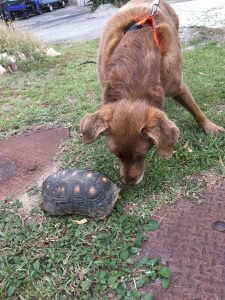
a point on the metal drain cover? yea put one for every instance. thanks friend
(219, 226)
(7, 169)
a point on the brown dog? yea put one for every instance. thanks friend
(136, 71)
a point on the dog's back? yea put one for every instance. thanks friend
(120, 49)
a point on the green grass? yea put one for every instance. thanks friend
(58, 259)
(55, 258)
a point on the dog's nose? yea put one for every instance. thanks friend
(129, 181)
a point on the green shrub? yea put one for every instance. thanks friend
(94, 4)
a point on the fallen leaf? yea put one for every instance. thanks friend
(81, 221)
(186, 145)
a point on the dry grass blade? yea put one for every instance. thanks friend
(15, 41)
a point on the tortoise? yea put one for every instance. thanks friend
(83, 192)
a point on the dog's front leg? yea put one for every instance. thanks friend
(185, 98)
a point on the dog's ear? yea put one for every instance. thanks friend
(92, 125)
(164, 36)
(162, 131)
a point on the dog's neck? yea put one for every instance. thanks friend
(133, 71)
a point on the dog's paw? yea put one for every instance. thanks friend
(211, 128)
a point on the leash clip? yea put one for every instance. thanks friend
(155, 5)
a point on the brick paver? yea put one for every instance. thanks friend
(193, 250)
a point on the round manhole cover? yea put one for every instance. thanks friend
(7, 169)
(219, 226)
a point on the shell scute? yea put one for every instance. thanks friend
(82, 192)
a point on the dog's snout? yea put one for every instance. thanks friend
(132, 180)
(129, 181)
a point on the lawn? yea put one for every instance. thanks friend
(55, 258)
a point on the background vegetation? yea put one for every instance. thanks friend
(94, 4)
(14, 41)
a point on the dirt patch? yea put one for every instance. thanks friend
(195, 35)
(221, 109)
(193, 250)
(26, 160)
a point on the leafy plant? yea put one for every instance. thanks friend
(65, 259)
(94, 4)
(17, 42)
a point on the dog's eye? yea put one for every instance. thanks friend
(123, 156)
(144, 133)
(140, 157)
(120, 156)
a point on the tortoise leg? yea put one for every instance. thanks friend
(185, 98)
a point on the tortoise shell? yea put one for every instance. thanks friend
(82, 192)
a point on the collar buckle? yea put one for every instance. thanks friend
(154, 6)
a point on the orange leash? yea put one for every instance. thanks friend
(149, 19)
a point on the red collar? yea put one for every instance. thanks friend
(149, 19)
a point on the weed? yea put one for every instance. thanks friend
(94, 4)
(33, 191)
(65, 260)
(16, 42)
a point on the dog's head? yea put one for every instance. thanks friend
(132, 128)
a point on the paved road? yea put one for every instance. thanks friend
(78, 23)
